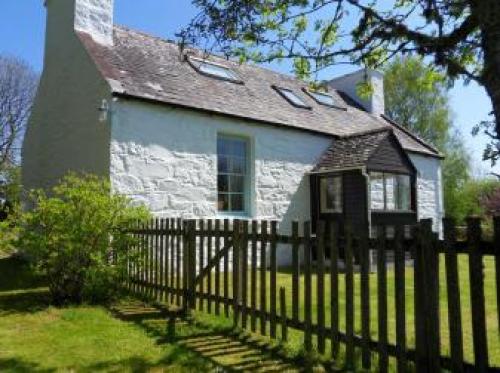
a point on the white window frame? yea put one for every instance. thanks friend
(247, 176)
(385, 175)
(197, 62)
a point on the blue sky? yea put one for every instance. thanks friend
(22, 25)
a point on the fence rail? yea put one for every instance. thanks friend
(231, 268)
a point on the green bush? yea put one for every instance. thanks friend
(74, 234)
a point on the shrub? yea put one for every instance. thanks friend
(74, 235)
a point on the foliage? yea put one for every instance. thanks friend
(74, 236)
(472, 199)
(18, 84)
(416, 95)
(460, 37)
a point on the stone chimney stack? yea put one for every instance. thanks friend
(348, 84)
(94, 17)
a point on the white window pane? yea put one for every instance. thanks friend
(223, 183)
(390, 192)
(214, 69)
(404, 192)
(377, 191)
(331, 194)
(292, 97)
(323, 98)
(223, 202)
(237, 202)
(236, 184)
(223, 164)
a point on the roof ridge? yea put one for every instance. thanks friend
(411, 134)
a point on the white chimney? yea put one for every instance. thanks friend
(349, 83)
(94, 17)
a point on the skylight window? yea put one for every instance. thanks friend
(214, 70)
(291, 97)
(322, 98)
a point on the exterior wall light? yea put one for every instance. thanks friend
(103, 111)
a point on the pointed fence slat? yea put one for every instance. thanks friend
(320, 296)
(217, 267)
(453, 291)
(476, 277)
(209, 257)
(496, 240)
(364, 255)
(334, 289)
(383, 359)
(349, 295)
(295, 271)
(307, 288)
(244, 273)
(272, 279)
(284, 321)
(201, 263)
(263, 281)
(226, 272)
(400, 284)
(253, 278)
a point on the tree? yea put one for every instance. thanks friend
(460, 36)
(416, 96)
(18, 84)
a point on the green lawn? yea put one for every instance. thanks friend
(284, 279)
(37, 337)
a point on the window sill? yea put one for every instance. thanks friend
(233, 216)
(393, 212)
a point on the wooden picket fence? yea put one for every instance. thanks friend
(229, 268)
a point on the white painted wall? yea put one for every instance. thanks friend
(167, 158)
(64, 132)
(429, 189)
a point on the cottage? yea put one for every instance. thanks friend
(197, 136)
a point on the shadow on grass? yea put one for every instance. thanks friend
(20, 366)
(220, 344)
(21, 290)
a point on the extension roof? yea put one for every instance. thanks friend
(144, 67)
(362, 150)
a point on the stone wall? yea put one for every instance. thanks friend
(167, 158)
(429, 189)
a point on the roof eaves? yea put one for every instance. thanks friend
(152, 100)
(413, 136)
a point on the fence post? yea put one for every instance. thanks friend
(496, 225)
(476, 278)
(427, 300)
(188, 264)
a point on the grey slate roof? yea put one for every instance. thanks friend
(350, 152)
(149, 68)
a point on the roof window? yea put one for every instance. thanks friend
(214, 70)
(291, 97)
(322, 98)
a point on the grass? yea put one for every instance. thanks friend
(130, 336)
(295, 344)
(37, 337)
